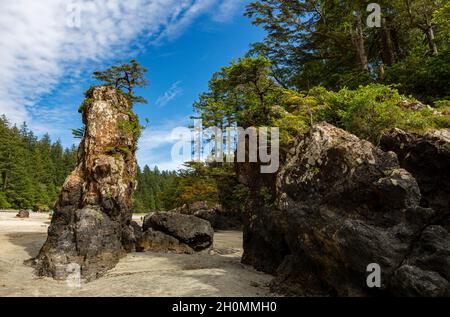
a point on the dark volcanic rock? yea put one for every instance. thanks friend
(427, 158)
(157, 241)
(221, 220)
(91, 223)
(131, 235)
(412, 281)
(23, 214)
(342, 205)
(190, 230)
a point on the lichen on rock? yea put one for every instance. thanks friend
(92, 219)
(343, 203)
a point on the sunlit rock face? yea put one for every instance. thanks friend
(91, 225)
(344, 203)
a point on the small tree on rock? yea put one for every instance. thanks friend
(125, 77)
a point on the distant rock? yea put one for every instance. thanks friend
(189, 230)
(23, 214)
(221, 220)
(218, 218)
(131, 236)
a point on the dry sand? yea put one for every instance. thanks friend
(139, 274)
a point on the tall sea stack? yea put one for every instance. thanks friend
(91, 224)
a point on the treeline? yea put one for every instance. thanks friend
(211, 183)
(322, 61)
(32, 170)
(152, 184)
(335, 44)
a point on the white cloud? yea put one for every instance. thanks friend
(156, 143)
(174, 91)
(227, 9)
(38, 48)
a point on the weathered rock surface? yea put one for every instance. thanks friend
(427, 158)
(343, 204)
(23, 214)
(157, 241)
(131, 235)
(92, 218)
(186, 229)
(218, 218)
(221, 220)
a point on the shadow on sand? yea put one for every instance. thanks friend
(31, 242)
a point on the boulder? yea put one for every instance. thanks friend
(221, 220)
(157, 241)
(23, 214)
(131, 236)
(91, 222)
(189, 230)
(342, 204)
(427, 158)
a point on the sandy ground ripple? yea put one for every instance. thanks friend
(139, 274)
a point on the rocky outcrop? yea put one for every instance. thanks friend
(219, 218)
(169, 231)
(131, 235)
(23, 214)
(157, 241)
(427, 158)
(92, 219)
(342, 204)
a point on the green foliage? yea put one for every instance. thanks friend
(239, 94)
(78, 133)
(121, 150)
(151, 188)
(327, 43)
(441, 18)
(425, 77)
(131, 126)
(370, 110)
(125, 77)
(32, 170)
(85, 104)
(195, 183)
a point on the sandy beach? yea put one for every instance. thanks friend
(139, 274)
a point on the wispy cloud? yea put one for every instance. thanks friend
(39, 48)
(156, 143)
(174, 91)
(227, 10)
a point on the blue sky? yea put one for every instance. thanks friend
(47, 65)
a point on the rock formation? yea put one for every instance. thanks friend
(92, 219)
(23, 214)
(174, 232)
(427, 158)
(342, 204)
(219, 218)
